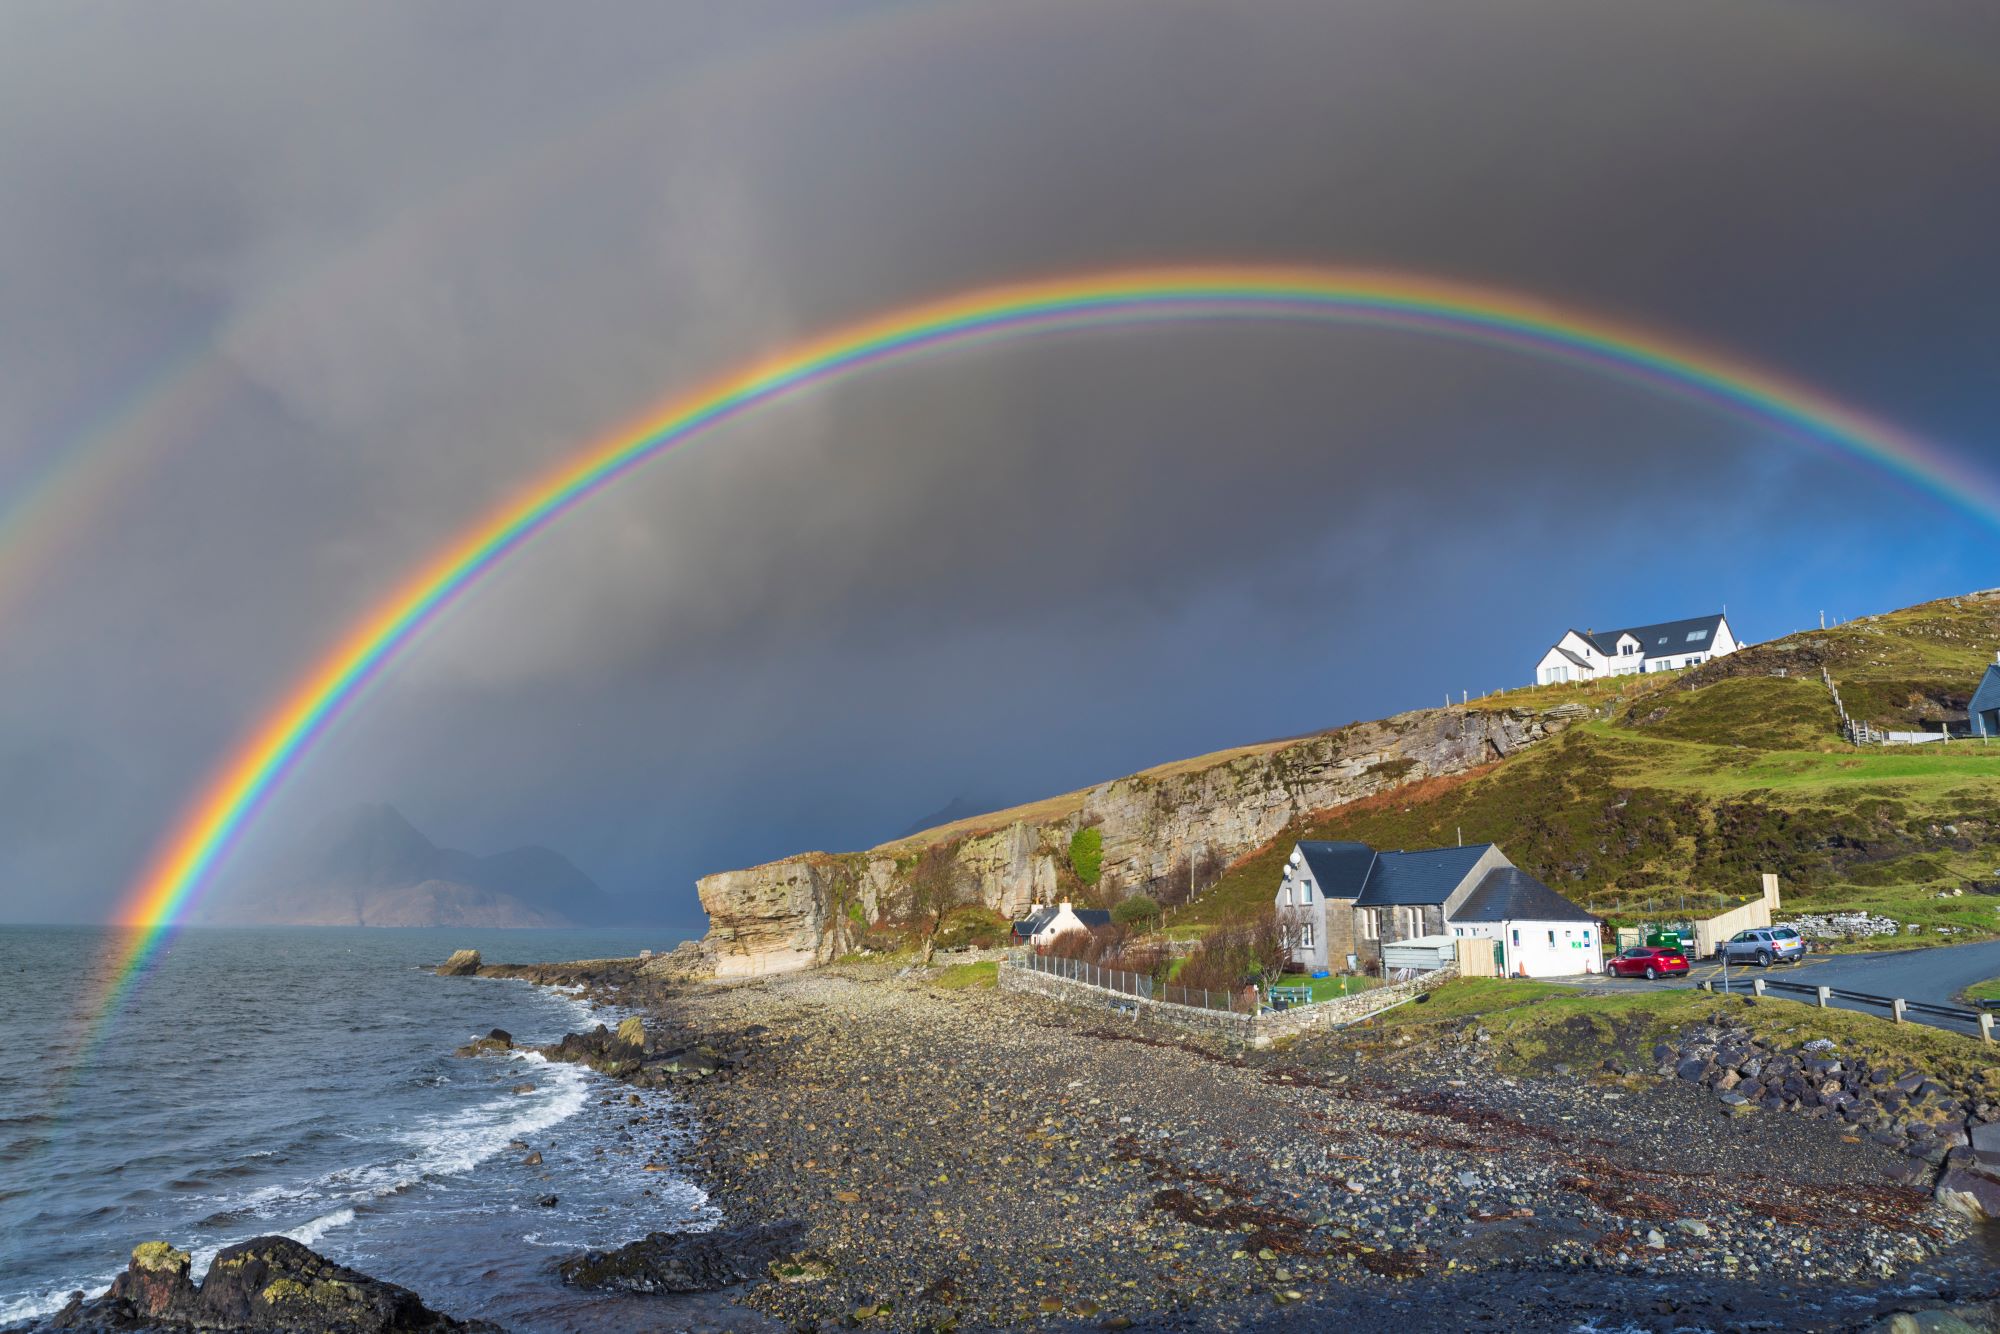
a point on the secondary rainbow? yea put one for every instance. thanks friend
(186, 858)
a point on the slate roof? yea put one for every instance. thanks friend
(1584, 663)
(1410, 878)
(1509, 894)
(1339, 869)
(1092, 918)
(1657, 641)
(1988, 694)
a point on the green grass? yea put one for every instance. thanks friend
(1535, 1025)
(1328, 988)
(1984, 991)
(962, 976)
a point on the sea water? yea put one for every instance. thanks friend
(302, 1081)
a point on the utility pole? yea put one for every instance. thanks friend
(1822, 618)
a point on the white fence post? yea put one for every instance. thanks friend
(1825, 995)
(1896, 1009)
(1757, 986)
(1986, 1026)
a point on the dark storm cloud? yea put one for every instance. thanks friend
(438, 247)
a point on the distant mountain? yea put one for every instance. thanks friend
(369, 866)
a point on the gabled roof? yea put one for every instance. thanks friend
(1988, 694)
(1581, 662)
(1034, 922)
(1657, 641)
(1509, 894)
(1410, 878)
(1037, 922)
(1339, 869)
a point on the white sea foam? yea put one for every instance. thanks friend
(54, 1299)
(309, 1234)
(444, 1145)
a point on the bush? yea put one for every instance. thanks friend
(1086, 854)
(1228, 958)
(1134, 911)
(973, 927)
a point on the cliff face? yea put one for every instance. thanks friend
(811, 908)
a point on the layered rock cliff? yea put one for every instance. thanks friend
(813, 907)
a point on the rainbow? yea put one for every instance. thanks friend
(186, 858)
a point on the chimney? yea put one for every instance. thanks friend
(1065, 905)
(1034, 908)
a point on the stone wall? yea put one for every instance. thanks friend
(1259, 1030)
(808, 909)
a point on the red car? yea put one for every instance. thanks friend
(1649, 962)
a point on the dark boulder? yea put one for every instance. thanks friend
(269, 1284)
(685, 1261)
(498, 1039)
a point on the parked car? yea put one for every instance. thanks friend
(1763, 945)
(1649, 962)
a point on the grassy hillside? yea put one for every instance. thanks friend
(1687, 786)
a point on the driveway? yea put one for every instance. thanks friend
(1935, 975)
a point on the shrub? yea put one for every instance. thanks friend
(972, 926)
(1086, 854)
(1134, 911)
(1231, 956)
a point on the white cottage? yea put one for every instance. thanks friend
(1042, 925)
(1540, 933)
(1590, 654)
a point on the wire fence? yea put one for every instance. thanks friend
(1139, 985)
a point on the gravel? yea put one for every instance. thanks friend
(973, 1159)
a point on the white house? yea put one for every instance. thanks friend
(1043, 925)
(1342, 903)
(1591, 654)
(1540, 933)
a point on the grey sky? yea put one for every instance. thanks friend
(435, 248)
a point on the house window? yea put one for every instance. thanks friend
(1306, 936)
(1368, 930)
(1552, 936)
(1517, 937)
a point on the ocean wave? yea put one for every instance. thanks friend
(48, 1302)
(309, 1234)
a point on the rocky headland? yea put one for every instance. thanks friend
(811, 908)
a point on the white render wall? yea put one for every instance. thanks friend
(1555, 667)
(1528, 952)
(1300, 900)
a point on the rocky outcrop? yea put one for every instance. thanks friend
(812, 908)
(672, 1262)
(266, 1284)
(1945, 1130)
(462, 963)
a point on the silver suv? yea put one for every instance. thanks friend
(1763, 945)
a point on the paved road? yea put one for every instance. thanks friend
(1935, 975)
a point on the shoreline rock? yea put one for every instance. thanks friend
(462, 963)
(685, 1262)
(267, 1285)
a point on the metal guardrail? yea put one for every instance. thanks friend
(1898, 1006)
